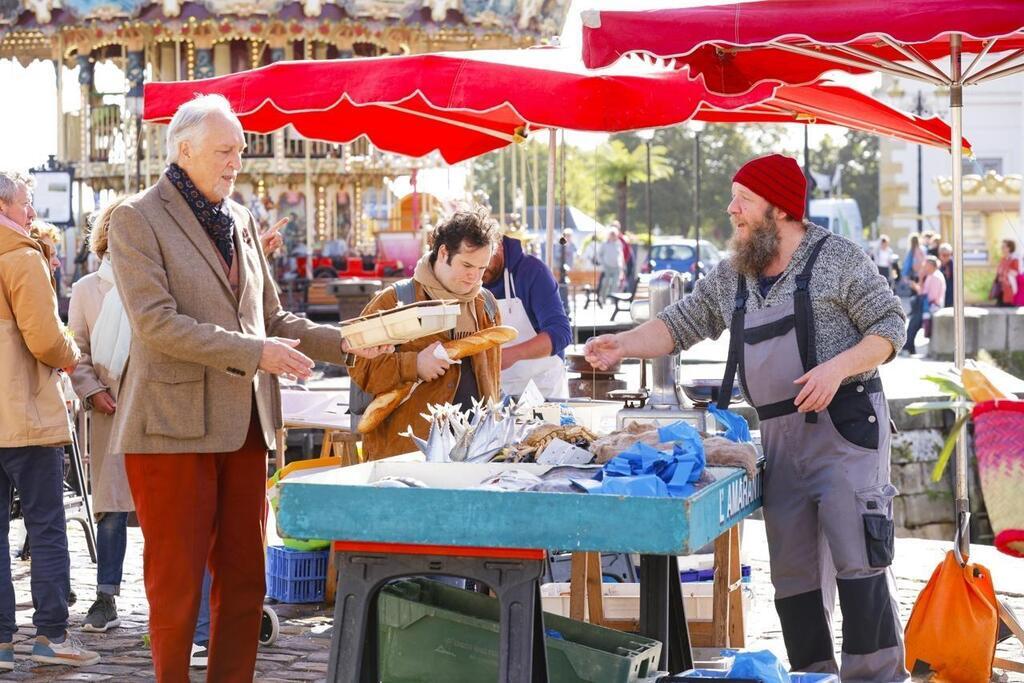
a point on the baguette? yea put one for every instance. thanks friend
(380, 407)
(478, 342)
(384, 404)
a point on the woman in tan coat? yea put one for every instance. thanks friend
(95, 381)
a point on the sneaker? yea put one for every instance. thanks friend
(70, 652)
(102, 615)
(200, 655)
(6, 656)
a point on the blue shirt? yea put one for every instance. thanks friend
(535, 286)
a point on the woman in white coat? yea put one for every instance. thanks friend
(97, 320)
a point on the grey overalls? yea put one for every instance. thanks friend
(827, 495)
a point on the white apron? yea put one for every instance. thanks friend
(547, 373)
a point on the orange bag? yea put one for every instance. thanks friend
(952, 629)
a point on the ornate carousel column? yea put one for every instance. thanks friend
(85, 82)
(135, 71)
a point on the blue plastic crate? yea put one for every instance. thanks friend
(295, 576)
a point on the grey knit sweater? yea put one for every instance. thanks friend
(848, 296)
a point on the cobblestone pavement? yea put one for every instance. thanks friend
(299, 655)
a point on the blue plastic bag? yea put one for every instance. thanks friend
(643, 470)
(759, 665)
(736, 427)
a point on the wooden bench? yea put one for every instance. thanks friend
(623, 300)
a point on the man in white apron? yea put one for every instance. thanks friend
(810, 320)
(527, 296)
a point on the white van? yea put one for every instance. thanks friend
(841, 216)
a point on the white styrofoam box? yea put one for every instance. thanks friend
(402, 324)
(622, 600)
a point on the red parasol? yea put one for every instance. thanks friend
(465, 104)
(795, 41)
(462, 104)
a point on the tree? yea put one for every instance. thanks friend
(618, 166)
(858, 157)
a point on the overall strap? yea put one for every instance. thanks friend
(735, 343)
(804, 316)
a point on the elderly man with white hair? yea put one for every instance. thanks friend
(198, 403)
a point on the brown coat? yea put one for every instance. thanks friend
(110, 490)
(32, 347)
(193, 370)
(388, 371)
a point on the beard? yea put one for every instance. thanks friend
(752, 254)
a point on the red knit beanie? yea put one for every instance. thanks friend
(779, 180)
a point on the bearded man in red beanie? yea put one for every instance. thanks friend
(810, 320)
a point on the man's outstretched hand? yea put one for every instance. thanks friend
(604, 351)
(279, 357)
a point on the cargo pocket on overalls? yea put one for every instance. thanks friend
(875, 507)
(854, 418)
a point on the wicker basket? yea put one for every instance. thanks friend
(999, 445)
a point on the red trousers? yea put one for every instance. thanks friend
(198, 510)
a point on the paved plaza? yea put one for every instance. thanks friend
(299, 655)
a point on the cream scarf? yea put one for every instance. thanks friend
(111, 336)
(466, 324)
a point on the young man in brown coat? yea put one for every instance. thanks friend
(461, 249)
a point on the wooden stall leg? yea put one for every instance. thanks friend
(327, 445)
(737, 617)
(720, 600)
(281, 445)
(595, 599)
(578, 587)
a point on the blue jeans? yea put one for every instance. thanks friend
(111, 543)
(38, 474)
(202, 634)
(918, 305)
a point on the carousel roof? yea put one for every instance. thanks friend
(514, 16)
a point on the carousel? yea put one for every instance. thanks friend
(336, 196)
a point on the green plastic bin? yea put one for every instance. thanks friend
(431, 632)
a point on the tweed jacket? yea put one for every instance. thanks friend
(193, 371)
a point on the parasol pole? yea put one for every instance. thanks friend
(549, 210)
(956, 103)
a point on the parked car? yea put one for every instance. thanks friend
(678, 253)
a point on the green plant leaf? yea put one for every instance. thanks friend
(949, 446)
(919, 407)
(949, 385)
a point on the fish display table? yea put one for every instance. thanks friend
(449, 511)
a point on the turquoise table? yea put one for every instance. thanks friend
(340, 503)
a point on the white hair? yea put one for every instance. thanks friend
(189, 118)
(9, 181)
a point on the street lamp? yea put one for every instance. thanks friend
(698, 128)
(647, 136)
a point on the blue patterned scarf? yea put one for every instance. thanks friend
(215, 218)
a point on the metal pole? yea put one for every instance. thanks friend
(549, 212)
(919, 110)
(696, 204)
(807, 172)
(650, 214)
(956, 104)
(501, 188)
